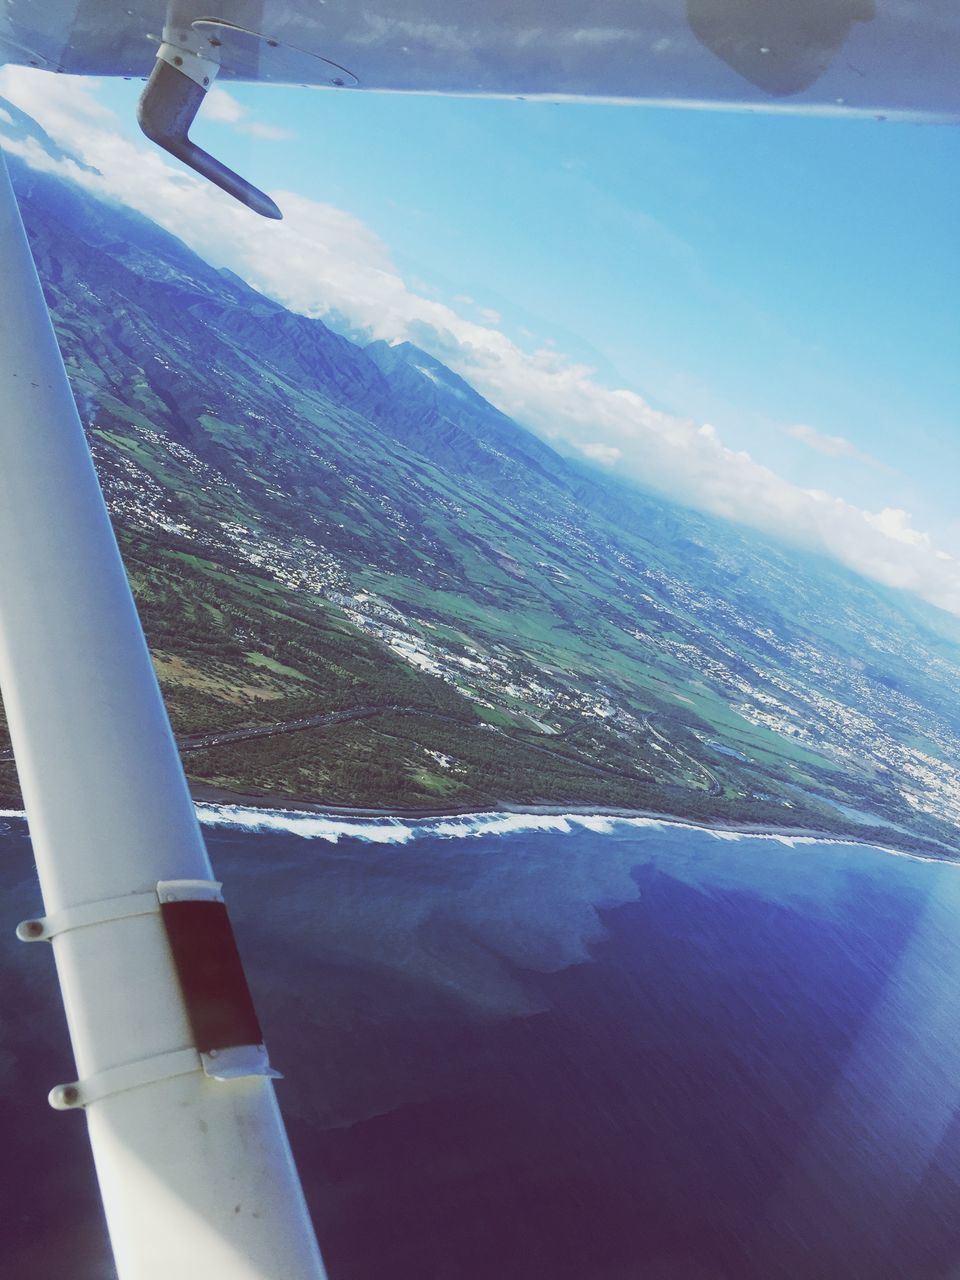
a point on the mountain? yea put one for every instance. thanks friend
(310, 525)
(436, 410)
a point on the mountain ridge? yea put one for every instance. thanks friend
(408, 532)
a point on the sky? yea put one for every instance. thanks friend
(757, 315)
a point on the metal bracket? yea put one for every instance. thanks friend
(223, 1064)
(189, 891)
(131, 1075)
(46, 928)
(190, 52)
(241, 1060)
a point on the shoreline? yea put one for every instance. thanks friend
(270, 802)
(203, 794)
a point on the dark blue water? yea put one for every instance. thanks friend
(633, 1052)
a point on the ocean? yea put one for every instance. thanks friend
(520, 1047)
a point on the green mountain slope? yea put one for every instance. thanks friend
(309, 525)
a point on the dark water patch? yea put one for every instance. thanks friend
(648, 1053)
(637, 1128)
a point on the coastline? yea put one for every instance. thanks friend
(273, 803)
(203, 794)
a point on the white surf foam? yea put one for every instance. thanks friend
(310, 826)
(598, 822)
(495, 824)
(463, 826)
(386, 830)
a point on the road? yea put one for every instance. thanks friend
(327, 720)
(199, 742)
(713, 785)
(323, 720)
(219, 737)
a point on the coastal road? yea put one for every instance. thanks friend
(327, 719)
(713, 782)
(322, 720)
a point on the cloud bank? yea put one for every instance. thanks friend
(832, 446)
(322, 260)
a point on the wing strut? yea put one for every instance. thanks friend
(195, 1171)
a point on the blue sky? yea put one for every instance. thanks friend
(751, 271)
(791, 281)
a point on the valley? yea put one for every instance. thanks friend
(313, 528)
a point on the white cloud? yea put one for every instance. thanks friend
(832, 446)
(486, 314)
(222, 108)
(896, 523)
(321, 260)
(596, 451)
(268, 132)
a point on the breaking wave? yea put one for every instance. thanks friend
(331, 827)
(310, 826)
(399, 831)
(462, 826)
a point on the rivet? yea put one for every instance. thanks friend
(178, 61)
(33, 928)
(70, 1095)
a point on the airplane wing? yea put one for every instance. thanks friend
(863, 57)
(872, 56)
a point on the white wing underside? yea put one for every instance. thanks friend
(879, 57)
